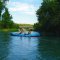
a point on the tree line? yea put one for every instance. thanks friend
(48, 16)
(5, 17)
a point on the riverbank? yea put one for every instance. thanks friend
(49, 34)
(6, 30)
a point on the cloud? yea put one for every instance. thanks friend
(22, 7)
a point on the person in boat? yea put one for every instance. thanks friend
(21, 30)
(29, 32)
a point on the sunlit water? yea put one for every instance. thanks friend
(29, 48)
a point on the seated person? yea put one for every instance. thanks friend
(21, 30)
(29, 32)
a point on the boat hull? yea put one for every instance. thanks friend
(33, 34)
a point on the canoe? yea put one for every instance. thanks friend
(33, 34)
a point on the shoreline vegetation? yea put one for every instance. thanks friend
(48, 16)
(8, 30)
(17, 27)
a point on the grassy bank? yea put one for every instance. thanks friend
(9, 30)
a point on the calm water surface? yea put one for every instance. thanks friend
(29, 48)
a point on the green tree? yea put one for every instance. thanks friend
(6, 19)
(2, 6)
(49, 16)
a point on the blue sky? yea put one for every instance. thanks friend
(24, 11)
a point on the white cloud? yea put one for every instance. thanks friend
(22, 7)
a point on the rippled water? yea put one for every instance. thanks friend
(29, 48)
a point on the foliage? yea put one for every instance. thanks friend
(26, 26)
(2, 6)
(49, 17)
(5, 17)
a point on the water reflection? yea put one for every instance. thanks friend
(29, 48)
(49, 48)
(4, 45)
(23, 48)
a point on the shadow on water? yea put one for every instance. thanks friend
(4, 45)
(49, 48)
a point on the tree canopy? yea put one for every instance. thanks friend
(48, 17)
(2, 6)
(5, 17)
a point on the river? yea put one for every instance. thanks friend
(29, 48)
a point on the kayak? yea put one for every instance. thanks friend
(32, 34)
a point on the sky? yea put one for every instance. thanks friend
(24, 11)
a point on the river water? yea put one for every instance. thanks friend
(29, 48)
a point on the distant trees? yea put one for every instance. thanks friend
(49, 17)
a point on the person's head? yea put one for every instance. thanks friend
(20, 28)
(30, 29)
